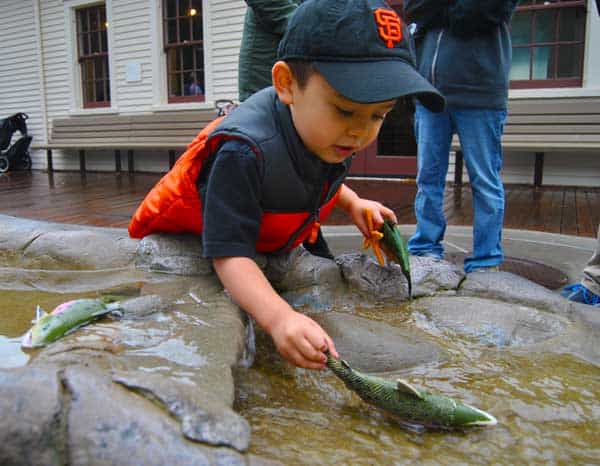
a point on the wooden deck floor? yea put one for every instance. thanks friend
(109, 199)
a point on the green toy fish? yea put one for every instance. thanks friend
(64, 319)
(396, 250)
(413, 408)
(389, 240)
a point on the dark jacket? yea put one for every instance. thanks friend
(264, 25)
(464, 48)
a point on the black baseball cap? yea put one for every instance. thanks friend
(361, 47)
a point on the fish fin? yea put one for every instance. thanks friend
(39, 313)
(345, 364)
(404, 387)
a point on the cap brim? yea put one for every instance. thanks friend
(368, 82)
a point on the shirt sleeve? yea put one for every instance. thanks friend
(232, 203)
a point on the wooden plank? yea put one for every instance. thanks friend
(569, 213)
(585, 226)
(561, 106)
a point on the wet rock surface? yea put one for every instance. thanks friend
(157, 386)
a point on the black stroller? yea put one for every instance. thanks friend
(17, 155)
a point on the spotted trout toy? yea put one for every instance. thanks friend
(64, 319)
(413, 408)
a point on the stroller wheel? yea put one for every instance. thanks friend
(4, 164)
(26, 162)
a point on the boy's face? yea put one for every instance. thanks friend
(331, 126)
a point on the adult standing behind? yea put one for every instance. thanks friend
(264, 25)
(464, 50)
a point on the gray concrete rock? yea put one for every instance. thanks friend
(491, 322)
(109, 424)
(506, 286)
(53, 246)
(431, 276)
(366, 276)
(31, 423)
(203, 417)
(176, 254)
(373, 346)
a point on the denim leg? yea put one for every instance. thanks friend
(480, 134)
(433, 132)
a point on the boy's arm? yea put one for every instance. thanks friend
(355, 206)
(297, 337)
(273, 14)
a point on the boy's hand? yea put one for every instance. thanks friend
(355, 206)
(300, 340)
(379, 211)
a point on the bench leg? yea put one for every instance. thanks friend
(82, 161)
(130, 166)
(49, 160)
(171, 159)
(458, 168)
(118, 161)
(538, 170)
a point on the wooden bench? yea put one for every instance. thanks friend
(170, 131)
(546, 125)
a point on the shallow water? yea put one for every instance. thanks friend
(547, 406)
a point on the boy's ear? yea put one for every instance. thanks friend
(283, 79)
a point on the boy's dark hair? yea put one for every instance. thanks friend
(302, 71)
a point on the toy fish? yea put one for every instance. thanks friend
(64, 319)
(396, 250)
(389, 240)
(414, 408)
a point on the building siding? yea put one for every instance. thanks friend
(20, 70)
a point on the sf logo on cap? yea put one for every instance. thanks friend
(389, 26)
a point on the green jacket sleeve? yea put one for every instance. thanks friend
(273, 14)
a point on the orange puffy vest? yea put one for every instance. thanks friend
(173, 205)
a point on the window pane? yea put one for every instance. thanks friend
(175, 84)
(569, 61)
(521, 28)
(520, 64)
(184, 7)
(545, 26)
(571, 24)
(197, 20)
(172, 31)
(188, 58)
(94, 25)
(184, 30)
(95, 43)
(542, 63)
(171, 8)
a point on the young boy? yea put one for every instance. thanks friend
(263, 178)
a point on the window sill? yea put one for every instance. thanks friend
(183, 106)
(95, 111)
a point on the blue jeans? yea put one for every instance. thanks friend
(480, 132)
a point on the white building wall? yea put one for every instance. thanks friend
(20, 65)
(135, 43)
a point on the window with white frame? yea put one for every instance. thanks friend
(92, 55)
(184, 50)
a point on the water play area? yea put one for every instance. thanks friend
(175, 371)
